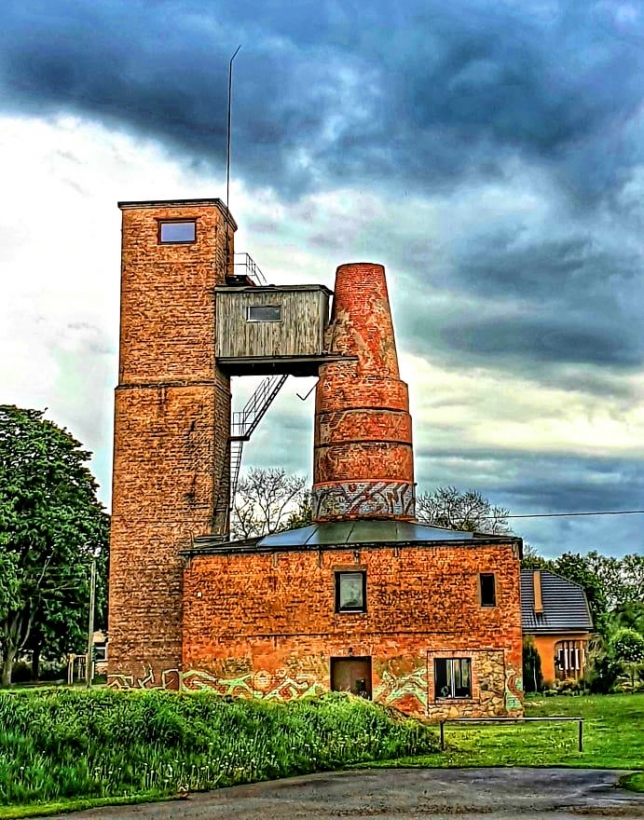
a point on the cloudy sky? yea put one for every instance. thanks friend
(489, 152)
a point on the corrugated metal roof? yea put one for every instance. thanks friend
(565, 607)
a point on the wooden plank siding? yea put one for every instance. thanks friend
(300, 332)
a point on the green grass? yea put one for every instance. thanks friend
(64, 750)
(634, 782)
(74, 804)
(613, 737)
(62, 746)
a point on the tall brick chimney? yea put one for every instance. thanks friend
(363, 459)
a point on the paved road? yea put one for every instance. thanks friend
(392, 794)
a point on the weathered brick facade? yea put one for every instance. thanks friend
(267, 619)
(265, 625)
(172, 421)
(363, 464)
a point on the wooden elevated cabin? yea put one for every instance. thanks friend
(271, 329)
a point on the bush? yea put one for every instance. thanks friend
(21, 672)
(570, 686)
(65, 743)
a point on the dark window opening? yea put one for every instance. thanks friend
(351, 675)
(488, 589)
(176, 233)
(453, 677)
(264, 313)
(351, 592)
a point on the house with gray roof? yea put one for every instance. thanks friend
(556, 615)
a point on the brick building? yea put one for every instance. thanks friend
(365, 599)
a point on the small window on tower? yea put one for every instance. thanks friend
(264, 313)
(488, 589)
(177, 232)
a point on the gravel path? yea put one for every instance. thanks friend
(391, 794)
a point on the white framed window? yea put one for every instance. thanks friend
(453, 677)
(351, 591)
(177, 232)
(264, 313)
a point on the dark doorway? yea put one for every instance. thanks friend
(351, 675)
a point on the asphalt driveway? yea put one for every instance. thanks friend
(392, 794)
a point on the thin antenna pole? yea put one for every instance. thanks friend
(230, 96)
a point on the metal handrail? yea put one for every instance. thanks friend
(253, 271)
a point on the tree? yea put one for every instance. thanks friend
(631, 589)
(263, 502)
(51, 528)
(532, 675)
(469, 510)
(302, 516)
(627, 646)
(578, 568)
(630, 615)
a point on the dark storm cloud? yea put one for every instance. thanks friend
(532, 483)
(527, 303)
(412, 93)
(529, 482)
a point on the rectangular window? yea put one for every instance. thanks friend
(453, 677)
(264, 313)
(488, 589)
(177, 232)
(351, 592)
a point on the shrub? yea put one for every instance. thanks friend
(65, 743)
(21, 672)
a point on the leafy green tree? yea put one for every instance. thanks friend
(532, 675)
(462, 510)
(51, 528)
(578, 568)
(632, 577)
(629, 615)
(627, 647)
(303, 515)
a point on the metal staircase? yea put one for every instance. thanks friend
(245, 422)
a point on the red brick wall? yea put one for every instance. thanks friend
(265, 624)
(172, 421)
(363, 463)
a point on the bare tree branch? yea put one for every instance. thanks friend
(264, 501)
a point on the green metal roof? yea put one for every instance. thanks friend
(348, 533)
(362, 531)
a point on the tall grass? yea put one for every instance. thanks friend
(64, 744)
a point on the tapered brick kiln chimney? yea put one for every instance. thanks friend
(363, 463)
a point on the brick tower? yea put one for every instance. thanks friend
(172, 422)
(363, 463)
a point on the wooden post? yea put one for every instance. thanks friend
(90, 627)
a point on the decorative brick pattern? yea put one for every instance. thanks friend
(363, 499)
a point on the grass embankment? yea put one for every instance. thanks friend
(68, 747)
(613, 737)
